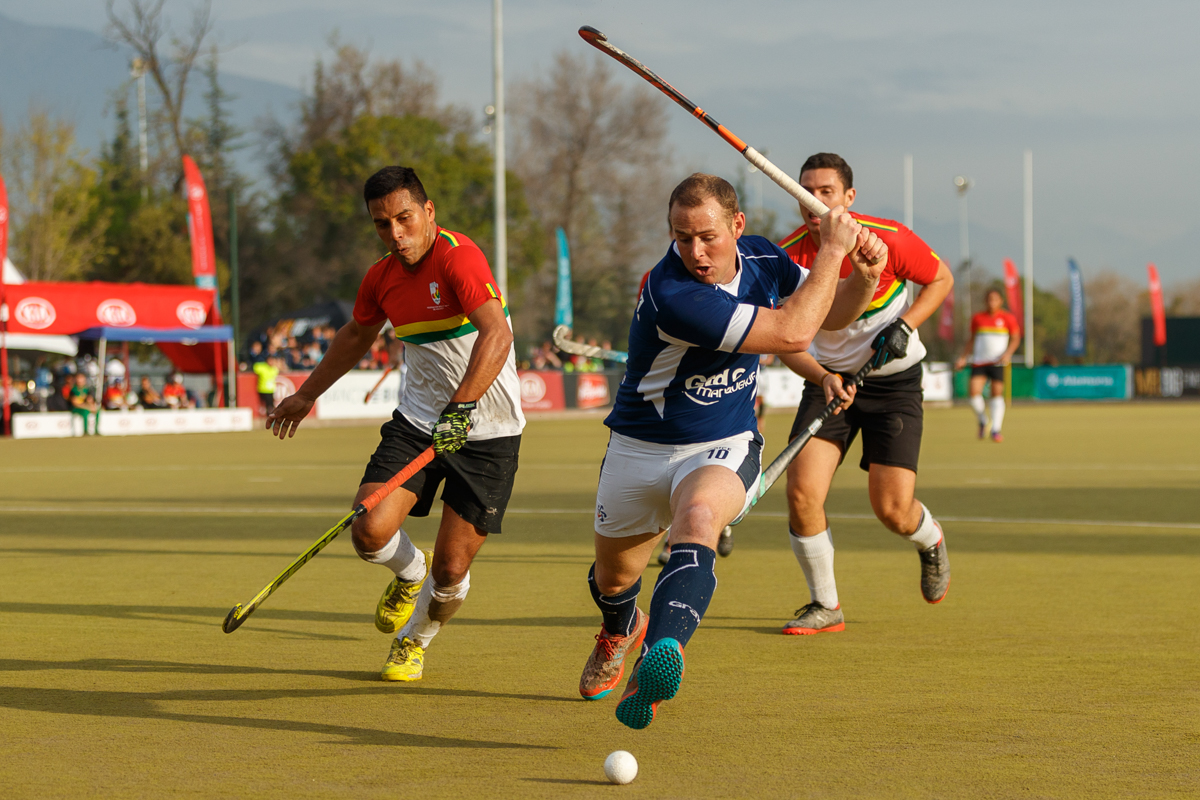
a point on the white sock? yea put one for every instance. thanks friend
(928, 532)
(400, 556)
(997, 404)
(435, 606)
(815, 554)
(977, 406)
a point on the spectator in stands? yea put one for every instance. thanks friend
(83, 402)
(148, 396)
(176, 394)
(256, 353)
(114, 396)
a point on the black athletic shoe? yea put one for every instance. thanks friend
(725, 543)
(935, 571)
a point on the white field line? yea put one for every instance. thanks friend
(182, 468)
(95, 508)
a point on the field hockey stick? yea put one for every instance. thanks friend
(598, 40)
(239, 612)
(382, 378)
(563, 342)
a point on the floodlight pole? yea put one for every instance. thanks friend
(908, 209)
(964, 243)
(1029, 258)
(500, 257)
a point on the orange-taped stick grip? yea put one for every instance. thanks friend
(376, 497)
(732, 138)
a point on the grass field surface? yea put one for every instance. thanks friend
(1063, 663)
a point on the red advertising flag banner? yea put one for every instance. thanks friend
(70, 308)
(591, 390)
(946, 319)
(1012, 287)
(1156, 307)
(200, 230)
(3, 226)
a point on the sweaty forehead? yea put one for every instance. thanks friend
(392, 205)
(698, 219)
(821, 178)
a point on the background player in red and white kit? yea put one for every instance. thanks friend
(995, 335)
(461, 395)
(887, 409)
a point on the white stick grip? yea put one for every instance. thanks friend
(785, 182)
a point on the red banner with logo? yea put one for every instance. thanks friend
(1012, 287)
(1156, 306)
(542, 391)
(591, 390)
(200, 230)
(69, 308)
(946, 318)
(3, 227)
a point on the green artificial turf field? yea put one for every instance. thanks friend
(1063, 663)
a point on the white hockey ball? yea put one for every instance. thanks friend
(620, 767)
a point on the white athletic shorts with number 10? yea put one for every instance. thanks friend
(638, 478)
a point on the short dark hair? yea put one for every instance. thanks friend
(830, 161)
(395, 179)
(994, 291)
(698, 187)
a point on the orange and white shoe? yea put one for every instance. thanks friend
(816, 618)
(656, 677)
(606, 664)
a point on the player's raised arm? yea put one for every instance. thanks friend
(791, 327)
(347, 348)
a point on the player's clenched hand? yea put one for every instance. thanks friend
(870, 256)
(288, 415)
(451, 429)
(834, 386)
(839, 229)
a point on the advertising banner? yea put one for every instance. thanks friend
(344, 400)
(564, 307)
(1156, 307)
(70, 308)
(200, 230)
(1077, 322)
(1012, 287)
(591, 390)
(1101, 382)
(541, 391)
(937, 381)
(3, 226)
(946, 319)
(59, 425)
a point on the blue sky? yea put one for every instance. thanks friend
(1105, 94)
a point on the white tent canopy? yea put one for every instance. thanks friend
(47, 343)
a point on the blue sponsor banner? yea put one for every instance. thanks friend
(1077, 328)
(563, 307)
(1101, 382)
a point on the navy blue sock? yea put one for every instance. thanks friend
(620, 610)
(682, 594)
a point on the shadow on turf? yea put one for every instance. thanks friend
(119, 665)
(144, 705)
(568, 781)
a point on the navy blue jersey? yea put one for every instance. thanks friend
(686, 382)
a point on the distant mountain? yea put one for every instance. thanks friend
(74, 73)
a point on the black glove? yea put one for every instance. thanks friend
(892, 342)
(450, 431)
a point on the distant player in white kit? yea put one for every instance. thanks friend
(995, 336)
(685, 448)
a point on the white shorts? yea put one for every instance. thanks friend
(638, 478)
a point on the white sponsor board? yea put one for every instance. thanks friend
(344, 400)
(134, 423)
(781, 388)
(937, 381)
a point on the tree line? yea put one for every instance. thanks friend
(590, 155)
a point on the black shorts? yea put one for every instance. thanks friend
(479, 478)
(993, 372)
(887, 410)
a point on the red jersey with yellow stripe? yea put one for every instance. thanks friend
(909, 259)
(430, 306)
(992, 334)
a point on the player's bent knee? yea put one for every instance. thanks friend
(369, 535)
(450, 570)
